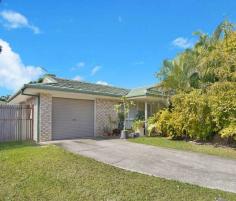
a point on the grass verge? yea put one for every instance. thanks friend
(225, 152)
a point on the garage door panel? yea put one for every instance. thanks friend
(72, 118)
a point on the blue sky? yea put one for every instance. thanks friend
(122, 43)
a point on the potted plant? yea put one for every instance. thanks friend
(124, 107)
(138, 126)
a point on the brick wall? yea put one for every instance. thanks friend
(104, 109)
(45, 117)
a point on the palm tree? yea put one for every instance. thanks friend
(180, 73)
(196, 67)
(208, 51)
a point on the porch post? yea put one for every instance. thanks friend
(146, 116)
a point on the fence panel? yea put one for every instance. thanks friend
(16, 122)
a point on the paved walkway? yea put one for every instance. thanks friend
(203, 170)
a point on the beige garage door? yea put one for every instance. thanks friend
(72, 118)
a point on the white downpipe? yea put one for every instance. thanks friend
(146, 116)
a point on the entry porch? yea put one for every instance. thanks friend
(147, 102)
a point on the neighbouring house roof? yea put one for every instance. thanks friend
(144, 91)
(51, 82)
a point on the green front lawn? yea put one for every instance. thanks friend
(187, 146)
(29, 172)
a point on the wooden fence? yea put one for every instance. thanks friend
(16, 122)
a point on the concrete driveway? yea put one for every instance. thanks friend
(203, 170)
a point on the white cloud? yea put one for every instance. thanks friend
(15, 20)
(13, 73)
(182, 43)
(95, 69)
(78, 78)
(102, 82)
(120, 19)
(78, 66)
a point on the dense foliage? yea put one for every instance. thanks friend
(203, 80)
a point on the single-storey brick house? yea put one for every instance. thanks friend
(67, 109)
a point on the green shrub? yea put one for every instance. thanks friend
(163, 123)
(193, 115)
(137, 124)
(152, 131)
(229, 131)
(199, 114)
(222, 98)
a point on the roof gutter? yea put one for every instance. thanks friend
(38, 108)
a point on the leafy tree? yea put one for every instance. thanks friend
(204, 81)
(4, 98)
